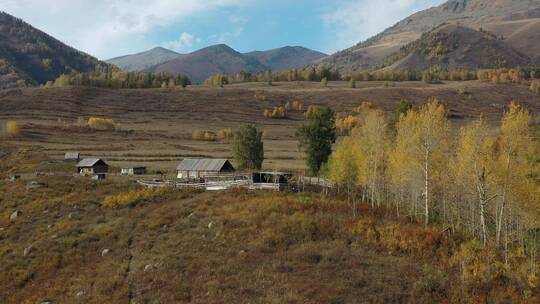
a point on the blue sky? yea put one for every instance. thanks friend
(109, 28)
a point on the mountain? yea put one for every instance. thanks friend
(30, 55)
(517, 21)
(285, 58)
(201, 64)
(456, 47)
(144, 60)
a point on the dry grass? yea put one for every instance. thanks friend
(227, 247)
(161, 122)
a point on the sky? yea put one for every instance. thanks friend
(110, 28)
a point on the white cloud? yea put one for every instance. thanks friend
(184, 43)
(226, 36)
(107, 27)
(357, 20)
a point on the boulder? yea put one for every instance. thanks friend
(210, 225)
(27, 250)
(105, 252)
(148, 267)
(15, 215)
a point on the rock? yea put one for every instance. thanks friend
(46, 302)
(15, 215)
(27, 250)
(147, 267)
(191, 214)
(49, 226)
(70, 215)
(79, 294)
(210, 225)
(54, 236)
(105, 252)
(241, 252)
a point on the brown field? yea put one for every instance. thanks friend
(156, 124)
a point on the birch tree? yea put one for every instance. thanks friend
(515, 145)
(475, 168)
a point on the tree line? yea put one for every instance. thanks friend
(432, 75)
(105, 77)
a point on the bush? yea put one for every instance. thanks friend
(132, 198)
(99, 123)
(12, 129)
(277, 112)
(535, 87)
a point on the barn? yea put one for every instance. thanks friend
(200, 168)
(92, 166)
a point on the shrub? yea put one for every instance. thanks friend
(324, 82)
(310, 110)
(277, 112)
(132, 198)
(225, 134)
(99, 123)
(352, 83)
(12, 129)
(535, 87)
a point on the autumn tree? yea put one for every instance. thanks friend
(248, 147)
(343, 167)
(372, 139)
(317, 137)
(476, 168)
(423, 136)
(515, 145)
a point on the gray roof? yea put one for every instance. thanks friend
(89, 162)
(202, 164)
(72, 155)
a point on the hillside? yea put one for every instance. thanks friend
(30, 55)
(201, 64)
(144, 60)
(489, 14)
(285, 58)
(455, 47)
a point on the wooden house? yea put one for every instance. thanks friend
(72, 157)
(134, 171)
(201, 168)
(92, 166)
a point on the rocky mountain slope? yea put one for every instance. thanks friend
(517, 21)
(30, 56)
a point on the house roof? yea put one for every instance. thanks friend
(202, 164)
(72, 155)
(90, 162)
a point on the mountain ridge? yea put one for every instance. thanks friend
(221, 58)
(29, 56)
(477, 14)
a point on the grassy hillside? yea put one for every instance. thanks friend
(33, 57)
(76, 241)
